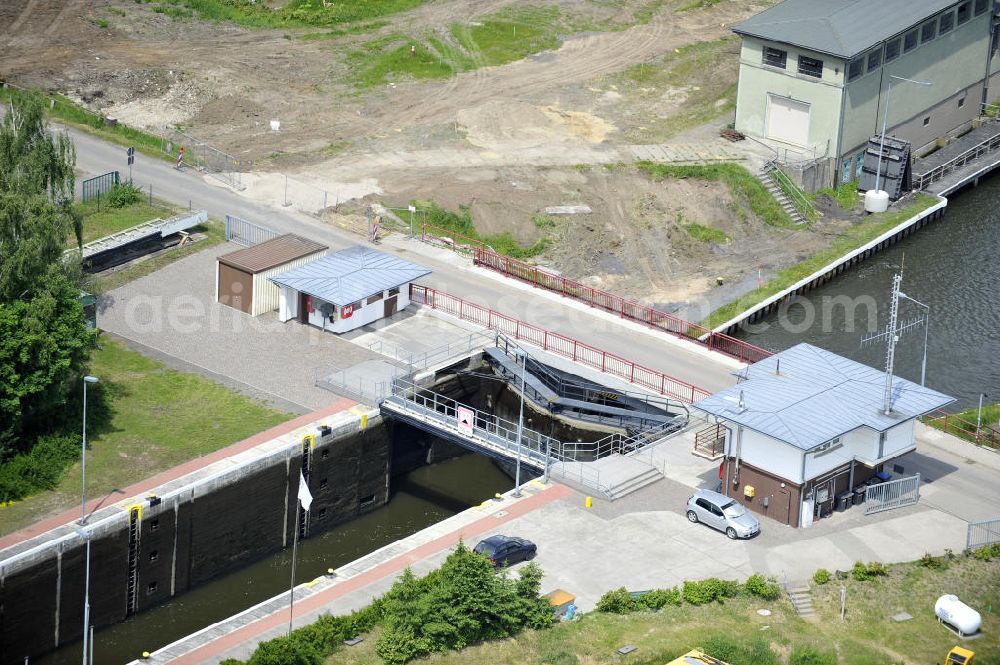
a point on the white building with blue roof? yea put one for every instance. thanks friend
(806, 425)
(346, 290)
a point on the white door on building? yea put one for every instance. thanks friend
(787, 120)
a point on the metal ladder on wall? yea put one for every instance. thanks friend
(134, 533)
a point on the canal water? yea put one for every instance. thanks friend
(952, 266)
(419, 499)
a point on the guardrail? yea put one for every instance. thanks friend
(921, 181)
(981, 534)
(799, 200)
(625, 308)
(559, 344)
(964, 429)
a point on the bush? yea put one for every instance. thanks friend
(876, 569)
(288, 650)
(124, 194)
(708, 590)
(618, 601)
(762, 587)
(933, 562)
(808, 655)
(821, 576)
(659, 598)
(863, 573)
(987, 552)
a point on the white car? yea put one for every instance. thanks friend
(723, 513)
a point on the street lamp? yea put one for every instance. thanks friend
(83, 494)
(927, 323)
(523, 357)
(885, 120)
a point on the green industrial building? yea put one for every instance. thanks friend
(815, 76)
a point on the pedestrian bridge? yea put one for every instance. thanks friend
(603, 466)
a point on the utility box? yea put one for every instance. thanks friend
(844, 501)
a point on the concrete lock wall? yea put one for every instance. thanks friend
(200, 532)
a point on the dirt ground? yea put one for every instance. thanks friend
(543, 131)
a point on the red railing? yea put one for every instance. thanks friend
(559, 344)
(627, 309)
(949, 422)
(451, 240)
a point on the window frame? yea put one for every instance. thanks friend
(898, 42)
(928, 31)
(372, 299)
(770, 50)
(915, 34)
(942, 30)
(980, 7)
(967, 6)
(815, 63)
(855, 75)
(874, 54)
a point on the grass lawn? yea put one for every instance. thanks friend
(868, 636)
(160, 418)
(872, 227)
(963, 425)
(291, 13)
(108, 220)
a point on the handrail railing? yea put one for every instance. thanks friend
(450, 239)
(922, 180)
(799, 200)
(625, 308)
(964, 429)
(558, 344)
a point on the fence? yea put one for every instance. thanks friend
(921, 181)
(457, 242)
(964, 429)
(204, 157)
(892, 494)
(559, 344)
(245, 233)
(627, 309)
(102, 184)
(981, 534)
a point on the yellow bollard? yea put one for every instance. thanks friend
(589, 502)
(364, 420)
(145, 654)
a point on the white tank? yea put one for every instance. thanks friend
(876, 201)
(950, 609)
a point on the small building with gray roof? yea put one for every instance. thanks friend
(806, 424)
(242, 277)
(347, 289)
(815, 76)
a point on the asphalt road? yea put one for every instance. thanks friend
(452, 273)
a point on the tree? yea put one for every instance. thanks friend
(44, 341)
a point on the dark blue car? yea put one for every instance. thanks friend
(506, 549)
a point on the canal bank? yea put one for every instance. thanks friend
(951, 266)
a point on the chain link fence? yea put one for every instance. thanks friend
(204, 157)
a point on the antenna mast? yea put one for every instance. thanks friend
(892, 338)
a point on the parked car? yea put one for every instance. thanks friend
(506, 549)
(723, 513)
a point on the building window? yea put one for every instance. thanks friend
(775, 57)
(946, 23)
(963, 13)
(928, 31)
(374, 299)
(892, 50)
(860, 159)
(855, 69)
(927, 121)
(910, 40)
(394, 291)
(810, 66)
(961, 102)
(981, 6)
(874, 60)
(845, 176)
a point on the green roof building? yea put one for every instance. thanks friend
(815, 76)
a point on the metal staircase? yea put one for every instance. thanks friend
(160, 228)
(769, 176)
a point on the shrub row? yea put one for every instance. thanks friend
(987, 552)
(702, 592)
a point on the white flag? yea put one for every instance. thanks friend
(305, 496)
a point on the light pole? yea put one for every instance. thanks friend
(927, 323)
(523, 356)
(885, 120)
(979, 415)
(83, 493)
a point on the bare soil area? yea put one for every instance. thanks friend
(642, 79)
